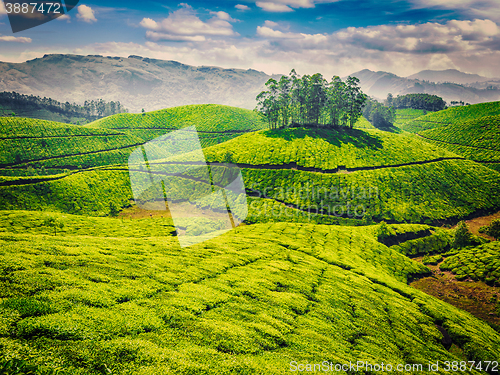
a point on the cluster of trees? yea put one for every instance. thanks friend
(426, 102)
(91, 110)
(458, 103)
(378, 114)
(311, 101)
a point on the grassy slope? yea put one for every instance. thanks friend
(416, 193)
(39, 139)
(206, 118)
(453, 115)
(477, 140)
(448, 189)
(326, 149)
(247, 302)
(404, 116)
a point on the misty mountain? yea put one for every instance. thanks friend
(379, 84)
(449, 75)
(135, 81)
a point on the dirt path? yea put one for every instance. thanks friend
(476, 297)
(475, 224)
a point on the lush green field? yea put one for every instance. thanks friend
(326, 149)
(477, 140)
(416, 193)
(363, 123)
(404, 116)
(98, 301)
(206, 118)
(453, 115)
(438, 242)
(49, 147)
(478, 263)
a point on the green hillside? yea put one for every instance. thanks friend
(248, 302)
(478, 263)
(50, 147)
(209, 119)
(327, 149)
(477, 140)
(450, 116)
(404, 116)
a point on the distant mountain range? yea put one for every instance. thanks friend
(139, 82)
(135, 81)
(449, 75)
(449, 84)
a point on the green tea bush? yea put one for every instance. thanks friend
(248, 300)
(28, 306)
(437, 243)
(478, 263)
(16, 366)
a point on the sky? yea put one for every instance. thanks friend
(333, 37)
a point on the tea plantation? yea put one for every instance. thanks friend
(478, 140)
(312, 275)
(247, 302)
(452, 115)
(50, 148)
(478, 263)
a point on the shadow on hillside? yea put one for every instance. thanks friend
(336, 137)
(390, 129)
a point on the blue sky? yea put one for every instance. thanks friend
(327, 36)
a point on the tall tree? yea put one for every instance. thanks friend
(355, 99)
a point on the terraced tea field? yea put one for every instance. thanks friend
(477, 140)
(451, 116)
(310, 276)
(50, 148)
(251, 301)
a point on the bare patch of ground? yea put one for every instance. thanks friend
(476, 297)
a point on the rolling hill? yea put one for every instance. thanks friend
(453, 115)
(50, 148)
(477, 140)
(449, 75)
(309, 278)
(301, 173)
(263, 299)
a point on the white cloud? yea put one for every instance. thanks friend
(86, 14)
(185, 25)
(223, 16)
(289, 5)
(64, 17)
(242, 7)
(469, 8)
(2, 9)
(8, 38)
(273, 7)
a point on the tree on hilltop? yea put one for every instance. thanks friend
(311, 101)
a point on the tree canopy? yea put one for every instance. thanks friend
(311, 101)
(426, 102)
